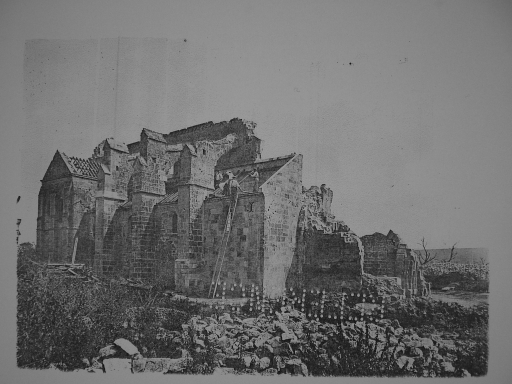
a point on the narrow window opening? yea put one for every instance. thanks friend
(174, 223)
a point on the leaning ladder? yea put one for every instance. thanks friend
(224, 243)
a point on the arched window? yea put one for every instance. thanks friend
(174, 223)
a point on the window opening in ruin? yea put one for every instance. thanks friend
(174, 223)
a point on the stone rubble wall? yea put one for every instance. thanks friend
(328, 253)
(385, 255)
(270, 345)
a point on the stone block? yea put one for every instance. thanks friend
(263, 363)
(117, 365)
(138, 365)
(109, 351)
(223, 371)
(160, 365)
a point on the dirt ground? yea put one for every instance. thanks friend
(467, 299)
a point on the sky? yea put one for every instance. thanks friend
(403, 108)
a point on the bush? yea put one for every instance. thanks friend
(473, 352)
(473, 281)
(415, 312)
(62, 320)
(363, 357)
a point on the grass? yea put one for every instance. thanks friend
(62, 321)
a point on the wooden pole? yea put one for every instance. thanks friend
(74, 251)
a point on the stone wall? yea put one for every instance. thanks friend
(212, 131)
(282, 193)
(111, 191)
(196, 181)
(54, 219)
(154, 210)
(265, 168)
(158, 245)
(385, 255)
(85, 235)
(249, 152)
(329, 260)
(62, 203)
(243, 259)
(381, 254)
(164, 242)
(328, 253)
(117, 244)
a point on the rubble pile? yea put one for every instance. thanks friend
(278, 344)
(77, 271)
(382, 285)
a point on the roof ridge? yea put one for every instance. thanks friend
(154, 135)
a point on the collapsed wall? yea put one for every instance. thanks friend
(386, 255)
(328, 253)
(154, 209)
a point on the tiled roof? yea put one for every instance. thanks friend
(167, 199)
(154, 135)
(83, 167)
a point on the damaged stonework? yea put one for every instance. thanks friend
(328, 253)
(153, 209)
(199, 208)
(386, 255)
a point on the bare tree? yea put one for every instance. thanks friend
(483, 261)
(453, 253)
(427, 256)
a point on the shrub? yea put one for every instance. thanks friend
(360, 356)
(473, 352)
(62, 320)
(415, 312)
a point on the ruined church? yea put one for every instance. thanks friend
(199, 207)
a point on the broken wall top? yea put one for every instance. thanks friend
(316, 214)
(265, 169)
(211, 131)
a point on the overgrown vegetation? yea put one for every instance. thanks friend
(62, 321)
(460, 280)
(469, 326)
(444, 317)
